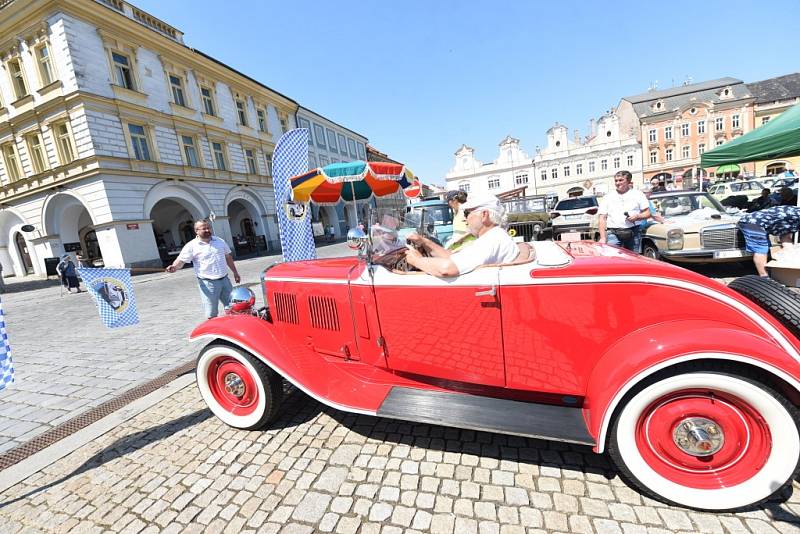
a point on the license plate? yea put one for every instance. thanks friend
(721, 254)
(573, 217)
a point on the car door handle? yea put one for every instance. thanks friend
(491, 292)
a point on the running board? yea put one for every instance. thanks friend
(545, 421)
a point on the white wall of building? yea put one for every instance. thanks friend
(511, 169)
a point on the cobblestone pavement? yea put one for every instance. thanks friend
(66, 361)
(176, 468)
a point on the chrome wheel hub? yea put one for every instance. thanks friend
(698, 436)
(234, 385)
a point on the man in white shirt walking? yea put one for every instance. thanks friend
(211, 257)
(620, 211)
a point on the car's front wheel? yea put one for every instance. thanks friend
(237, 387)
(649, 250)
(707, 440)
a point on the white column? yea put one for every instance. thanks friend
(128, 244)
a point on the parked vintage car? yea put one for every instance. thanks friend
(434, 212)
(698, 230)
(747, 188)
(691, 387)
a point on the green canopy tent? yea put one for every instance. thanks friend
(779, 138)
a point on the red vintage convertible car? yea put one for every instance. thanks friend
(690, 386)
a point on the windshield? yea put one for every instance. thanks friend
(670, 206)
(577, 203)
(439, 214)
(389, 227)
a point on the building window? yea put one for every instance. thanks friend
(521, 179)
(603, 164)
(123, 75)
(544, 175)
(685, 129)
(319, 135)
(307, 125)
(668, 132)
(66, 152)
(630, 160)
(764, 120)
(668, 154)
(250, 156)
(241, 112)
(653, 157)
(12, 162)
(362, 151)
(141, 150)
(566, 171)
(17, 78)
(268, 161)
(554, 173)
(352, 146)
(579, 168)
(208, 100)
(219, 156)
(719, 123)
(685, 152)
(701, 148)
(178, 96)
(735, 121)
(37, 153)
(616, 162)
(701, 127)
(46, 72)
(464, 187)
(494, 182)
(342, 143)
(331, 140)
(284, 120)
(190, 151)
(652, 136)
(591, 166)
(262, 120)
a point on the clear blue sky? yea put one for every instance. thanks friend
(419, 78)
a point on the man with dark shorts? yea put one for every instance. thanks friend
(782, 221)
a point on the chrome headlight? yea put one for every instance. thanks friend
(357, 239)
(675, 239)
(242, 299)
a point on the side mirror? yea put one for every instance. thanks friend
(356, 238)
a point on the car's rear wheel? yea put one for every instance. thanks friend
(707, 440)
(780, 301)
(237, 387)
(649, 250)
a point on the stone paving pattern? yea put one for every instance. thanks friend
(66, 361)
(176, 468)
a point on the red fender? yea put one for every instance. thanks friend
(648, 350)
(342, 384)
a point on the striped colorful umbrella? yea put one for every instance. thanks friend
(356, 180)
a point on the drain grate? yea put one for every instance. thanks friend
(42, 441)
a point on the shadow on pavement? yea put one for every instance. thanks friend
(123, 446)
(24, 284)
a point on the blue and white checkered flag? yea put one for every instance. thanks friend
(290, 159)
(6, 365)
(113, 293)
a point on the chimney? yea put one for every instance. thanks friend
(592, 127)
(577, 137)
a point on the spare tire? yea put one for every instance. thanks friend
(781, 302)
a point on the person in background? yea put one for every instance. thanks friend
(782, 221)
(620, 212)
(455, 199)
(211, 258)
(762, 202)
(788, 197)
(656, 186)
(69, 275)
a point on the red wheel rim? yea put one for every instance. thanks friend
(232, 385)
(744, 450)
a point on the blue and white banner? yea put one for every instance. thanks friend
(294, 220)
(6, 365)
(113, 293)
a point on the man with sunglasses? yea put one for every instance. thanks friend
(493, 244)
(620, 212)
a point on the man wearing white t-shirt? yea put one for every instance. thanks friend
(619, 213)
(493, 245)
(211, 257)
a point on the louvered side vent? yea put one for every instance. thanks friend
(323, 313)
(286, 307)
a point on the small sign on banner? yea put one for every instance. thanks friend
(113, 293)
(132, 226)
(413, 190)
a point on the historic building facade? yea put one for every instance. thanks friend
(512, 169)
(675, 126)
(772, 97)
(586, 166)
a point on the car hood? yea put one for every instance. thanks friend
(695, 221)
(320, 269)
